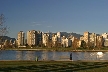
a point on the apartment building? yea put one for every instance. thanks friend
(54, 39)
(39, 37)
(32, 38)
(99, 40)
(45, 38)
(106, 42)
(79, 43)
(82, 38)
(21, 38)
(59, 36)
(86, 37)
(93, 39)
(105, 35)
(72, 38)
(66, 42)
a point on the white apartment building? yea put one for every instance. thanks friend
(21, 38)
(54, 39)
(93, 39)
(106, 42)
(86, 36)
(32, 37)
(105, 35)
(82, 38)
(45, 38)
(79, 43)
(66, 42)
(59, 36)
(72, 38)
(99, 38)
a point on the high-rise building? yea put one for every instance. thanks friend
(45, 39)
(54, 39)
(105, 35)
(39, 37)
(59, 36)
(21, 38)
(93, 39)
(99, 40)
(32, 37)
(86, 37)
(106, 42)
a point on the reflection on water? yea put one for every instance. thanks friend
(86, 56)
(99, 54)
(93, 56)
(29, 55)
(44, 55)
(51, 55)
(19, 55)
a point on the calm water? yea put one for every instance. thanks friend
(51, 55)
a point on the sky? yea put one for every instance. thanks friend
(55, 15)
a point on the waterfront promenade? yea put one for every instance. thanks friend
(39, 49)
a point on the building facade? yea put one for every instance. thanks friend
(39, 37)
(66, 42)
(32, 38)
(54, 39)
(45, 39)
(106, 42)
(93, 39)
(21, 38)
(59, 36)
(105, 35)
(86, 37)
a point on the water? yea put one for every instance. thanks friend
(51, 55)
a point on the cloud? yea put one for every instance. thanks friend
(35, 24)
(78, 32)
(49, 26)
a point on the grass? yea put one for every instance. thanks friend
(52, 66)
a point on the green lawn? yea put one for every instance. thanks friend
(52, 66)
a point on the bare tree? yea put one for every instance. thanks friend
(3, 28)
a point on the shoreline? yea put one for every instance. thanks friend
(54, 61)
(58, 50)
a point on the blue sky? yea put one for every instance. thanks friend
(55, 15)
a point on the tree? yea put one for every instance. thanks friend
(49, 43)
(83, 44)
(99, 42)
(90, 45)
(3, 28)
(75, 43)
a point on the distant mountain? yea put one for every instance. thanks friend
(7, 38)
(73, 34)
(76, 35)
(66, 34)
